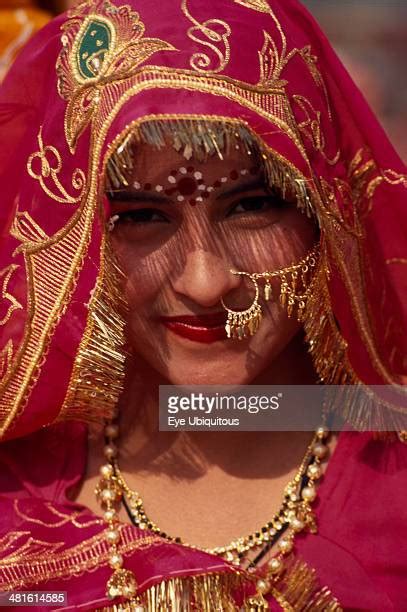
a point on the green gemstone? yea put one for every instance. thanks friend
(95, 43)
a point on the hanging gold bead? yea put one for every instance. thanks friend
(285, 545)
(275, 565)
(106, 471)
(319, 450)
(308, 494)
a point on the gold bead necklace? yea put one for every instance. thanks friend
(294, 516)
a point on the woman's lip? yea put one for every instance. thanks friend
(208, 320)
(206, 329)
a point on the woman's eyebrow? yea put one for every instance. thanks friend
(238, 189)
(132, 195)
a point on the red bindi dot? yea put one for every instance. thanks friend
(254, 170)
(170, 191)
(205, 194)
(192, 201)
(233, 175)
(147, 186)
(190, 169)
(217, 184)
(186, 186)
(174, 172)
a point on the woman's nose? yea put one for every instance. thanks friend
(205, 278)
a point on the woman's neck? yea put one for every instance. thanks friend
(144, 447)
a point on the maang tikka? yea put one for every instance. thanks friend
(294, 292)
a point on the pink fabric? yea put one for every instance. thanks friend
(371, 320)
(359, 552)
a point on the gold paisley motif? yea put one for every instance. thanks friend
(124, 48)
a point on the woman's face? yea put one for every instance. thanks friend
(181, 227)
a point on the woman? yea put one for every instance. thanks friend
(197, 194)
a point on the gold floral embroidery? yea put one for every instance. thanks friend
(49, 161)
(311, 127)
(104, 46)
(13, 304)
(213, 39)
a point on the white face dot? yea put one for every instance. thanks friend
(244, 171)
(183, 170)
(198, 175)
(158, 187)
(224, 179)
(201, 187)
(180, 198)
(199, 199)
(172, 179)
(210, 188)
(136, 185)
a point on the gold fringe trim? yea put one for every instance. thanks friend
(98, 374)
(203, 138)
(203, 593)
(297, 590)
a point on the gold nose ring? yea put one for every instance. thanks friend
(241, 323)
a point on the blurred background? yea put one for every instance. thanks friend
(369, 35)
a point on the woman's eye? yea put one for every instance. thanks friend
(258, 204)
(142, 215)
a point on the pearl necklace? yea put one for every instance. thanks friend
(294, 516)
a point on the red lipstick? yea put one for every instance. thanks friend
(204, 328)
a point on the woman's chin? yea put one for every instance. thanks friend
(185, 376)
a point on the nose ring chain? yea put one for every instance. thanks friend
(295, 282)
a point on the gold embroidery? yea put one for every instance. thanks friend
(394, 178)
(14, 304)
(84, 69)
(311, 62)
(257, 5)
(311, 127)
(6, 356)
(65, 518)
(50, 165)
(32, 562)
(25, 229)
(212, 39)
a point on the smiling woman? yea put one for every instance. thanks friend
(207, 203)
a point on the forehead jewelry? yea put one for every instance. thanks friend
(294, 293)
(187, 184)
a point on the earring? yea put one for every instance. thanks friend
(295, 282)
(241, 323)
